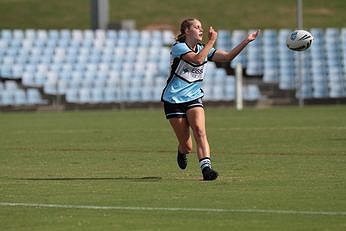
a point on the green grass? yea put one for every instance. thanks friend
(235, 14)
(290, 159)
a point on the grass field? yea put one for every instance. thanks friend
(235, 14)
(280, 169)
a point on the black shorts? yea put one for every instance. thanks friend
(178, 110)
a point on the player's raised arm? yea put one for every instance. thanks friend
(199, 58)
(224, 56)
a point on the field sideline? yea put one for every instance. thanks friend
(280, 169)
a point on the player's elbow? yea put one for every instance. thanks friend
(199, 61)
(222, 57)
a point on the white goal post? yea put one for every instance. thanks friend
(239, 86)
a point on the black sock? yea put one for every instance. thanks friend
(205, 162)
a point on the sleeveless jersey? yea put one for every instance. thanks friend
(185, 80)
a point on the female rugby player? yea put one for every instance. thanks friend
(182, 96)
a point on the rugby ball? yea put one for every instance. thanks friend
(299, 40)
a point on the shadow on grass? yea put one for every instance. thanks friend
(136, 179)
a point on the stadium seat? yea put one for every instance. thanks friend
(133, 94)
(72, 95)
(17, 71)
(237, 37)
(336, 89)
(229, 89)
(50, 87)
(6, 98)
(111, 95)
(18, 34)
(11, 85)
(147, 94)
(111, 34)
(6, 34)
(127, 59)
(53, 34)
(224, 40)
(271, 71)
(84, 95)
(97, 95)
(251, 92)
(306, 92)
(6, 71)
(19, 97)
(34, 97)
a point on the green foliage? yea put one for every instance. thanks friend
(235, 14)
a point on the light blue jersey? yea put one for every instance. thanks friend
(185, 80)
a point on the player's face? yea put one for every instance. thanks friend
(196, 30)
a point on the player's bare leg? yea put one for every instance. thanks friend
(196, 118)
(182, 131)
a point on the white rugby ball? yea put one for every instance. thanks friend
(299, 40)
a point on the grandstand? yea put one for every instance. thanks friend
(112, 67)
(268, 57)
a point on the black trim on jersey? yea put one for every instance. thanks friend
(195, 65)
(181, 56)
(191, 48)
(188, 81)
(195, 51)
(173, 68)
(176, 62)
(212, 55)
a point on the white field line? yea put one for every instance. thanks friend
(279, 128)
(208, 210)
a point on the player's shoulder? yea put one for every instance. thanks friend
(180, 48)
(180, 45)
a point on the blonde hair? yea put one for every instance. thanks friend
(186, 24)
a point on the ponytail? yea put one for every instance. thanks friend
(180, 38)
(186, 24)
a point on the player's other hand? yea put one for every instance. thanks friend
(212, 34)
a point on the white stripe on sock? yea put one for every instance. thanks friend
(205, 163)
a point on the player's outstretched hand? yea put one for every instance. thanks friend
(252, 36)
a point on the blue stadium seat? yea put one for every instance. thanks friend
(97, 95)
(50, 87)
(271, 71)
(18, 34)
(320, 89)
(251, 92)
(305, 92)
(237, 37)
(84, 95)
(72, 95)
(229, 89)
(127, 59)
(6, 97)
(224, 40)
(6, 34)
(6, 71)
(147, 94)
(11, 85)
(53, 34)
(34, 97)
(111, 95)
(19, 97)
